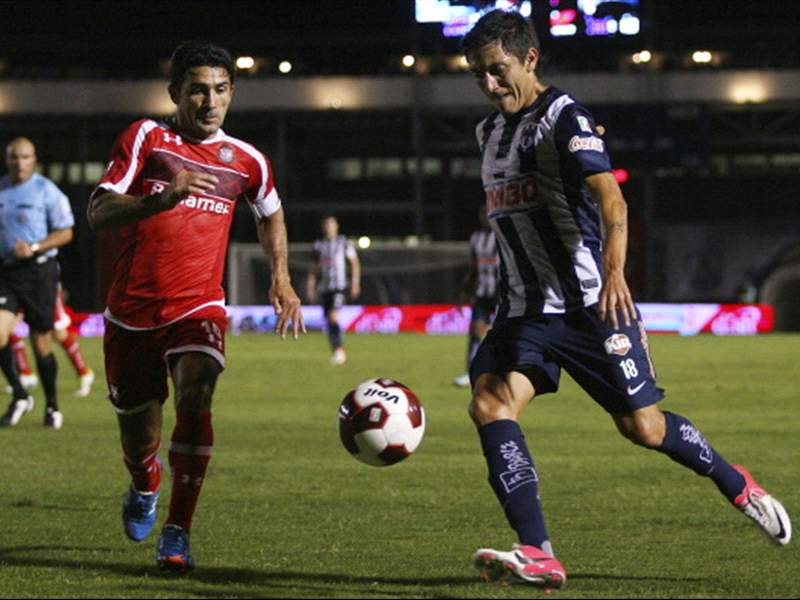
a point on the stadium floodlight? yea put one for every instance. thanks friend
(643, 57)
(245, 62)
(285, 67)
(409, 61)
(702, 57)
(364, 242)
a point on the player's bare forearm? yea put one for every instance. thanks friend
(470, 279)
(110, 210)
(615, 296)
(272, 234)
(355, 277)
(55, 239)
(273, 238)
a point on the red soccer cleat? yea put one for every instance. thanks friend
(524, 564)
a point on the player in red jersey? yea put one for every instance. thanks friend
(169, 195)
(67, 336)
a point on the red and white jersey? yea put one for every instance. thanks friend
(170, 266)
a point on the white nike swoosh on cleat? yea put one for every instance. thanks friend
(632, 391)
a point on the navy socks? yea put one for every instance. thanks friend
(514, 480)
(335, 336)
(684, 444)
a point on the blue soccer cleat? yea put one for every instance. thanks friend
(173, 553)
(139, 514)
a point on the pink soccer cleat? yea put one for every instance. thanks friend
(524, 564)
(756, 503)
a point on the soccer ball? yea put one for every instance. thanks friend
(381, 422)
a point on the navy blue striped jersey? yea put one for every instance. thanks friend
(547, 224)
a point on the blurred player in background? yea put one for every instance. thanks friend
(68, 339)
(480, 289)
(35, 220)
(561, 226)
(169, 195)
(328, 280)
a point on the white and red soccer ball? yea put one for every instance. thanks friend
(381, 422)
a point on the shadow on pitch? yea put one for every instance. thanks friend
(600, 576)
(245, 579)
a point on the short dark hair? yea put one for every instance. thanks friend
(515, 33)
(196, 53)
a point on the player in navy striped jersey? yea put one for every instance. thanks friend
(561, 226)
(328, 279)
(480, 289)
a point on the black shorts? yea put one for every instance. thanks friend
(612, 366)
(30, 287)
(333, 300)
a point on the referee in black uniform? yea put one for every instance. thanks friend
(35, 220)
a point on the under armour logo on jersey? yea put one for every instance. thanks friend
(176, 139)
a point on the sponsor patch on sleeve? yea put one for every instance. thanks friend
(595, 144)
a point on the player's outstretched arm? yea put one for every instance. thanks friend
(311, 282)
(272, 233)
(470, 281)
(355, 276)
(615, 295)
(110, 209)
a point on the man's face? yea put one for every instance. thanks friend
(330, 228)
(203, 100)
(20, 160)
(508, 83)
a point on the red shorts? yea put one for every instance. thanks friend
(137, 362)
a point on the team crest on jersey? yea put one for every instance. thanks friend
(526, 138)
(619, 344)
(226, 154)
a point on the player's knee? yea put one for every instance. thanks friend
(194, 392)
(195, 379)
(487, 408)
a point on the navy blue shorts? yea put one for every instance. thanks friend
(333, 300)
(612, 366)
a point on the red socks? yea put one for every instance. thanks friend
(20, 354)
(147, 473)
(189, 454)
(73, 350)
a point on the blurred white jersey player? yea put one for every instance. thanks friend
(328, 281)
(480, 289)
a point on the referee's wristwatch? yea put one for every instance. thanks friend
(35, 247)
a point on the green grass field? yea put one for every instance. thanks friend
(286, 512)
